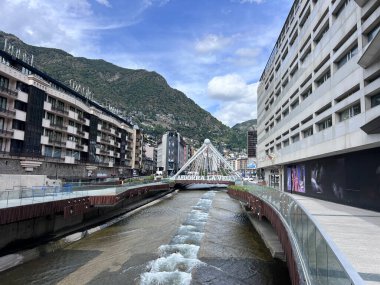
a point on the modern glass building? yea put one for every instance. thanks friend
(319, 103)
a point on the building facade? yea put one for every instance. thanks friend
(47, 128)
(251, 142)
(319, 103)
(172, 153)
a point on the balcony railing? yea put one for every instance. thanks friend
(7, 112)
(105, 140)
(8, 92)
(56, 142)
(80, 133)
(6, 133)
(59, 110)
(81, 118)
(78, 146)
(58, 126)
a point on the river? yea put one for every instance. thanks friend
(194, 237)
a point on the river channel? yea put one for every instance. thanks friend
(194, 237)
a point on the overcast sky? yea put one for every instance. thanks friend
(212, 50)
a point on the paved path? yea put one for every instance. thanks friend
(355, 231)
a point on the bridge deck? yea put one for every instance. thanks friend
(355, 231)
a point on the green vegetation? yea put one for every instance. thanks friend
(237, 188)
(142, 95)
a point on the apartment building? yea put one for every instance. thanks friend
(319, 103)
(47, 128)
(172, 153)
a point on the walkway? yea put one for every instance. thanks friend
(356, 232)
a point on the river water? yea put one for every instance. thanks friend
(195, 237)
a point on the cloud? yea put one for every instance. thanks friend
(230, 87)
(236, 112)
(211, 43)
(237, 98)
(104, 2)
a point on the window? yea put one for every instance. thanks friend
(348, 93)
(294, 104)
(285, 113)
(350, 112)
(3, 104)
(341, 7)
(285, 142)
(373, 33)
(52, 101)
(48, 151)
(2, 124)
(296, 138)
(346, 57)
(326, 123)
(308, 132)
(321, 34)
(4, 82)
(323, 78)
(20, 105)
(18, 125)
(71, 123)
(375, 100)
(306, 93)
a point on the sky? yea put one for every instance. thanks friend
(212, 50)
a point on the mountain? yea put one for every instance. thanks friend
(244, 126)
(240, 132)
(145, 96)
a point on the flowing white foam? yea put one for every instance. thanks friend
(178, 258)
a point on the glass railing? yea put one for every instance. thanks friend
(40, 194)
(26, 196)
(322, 259)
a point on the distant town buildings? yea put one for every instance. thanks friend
(172, 153)
(49, 129)
(149, 159)
(319, 103)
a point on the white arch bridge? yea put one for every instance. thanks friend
(206, 166)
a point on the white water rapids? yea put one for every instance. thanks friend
(179, 257)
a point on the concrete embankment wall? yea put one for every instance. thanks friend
(26, 233)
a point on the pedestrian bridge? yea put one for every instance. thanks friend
(206, 167)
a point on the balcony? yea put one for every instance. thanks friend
(7, 112)
(59, 110)
(81, 118)
(8, 92)
(57, 142)
(105, 152)
(58, 126)
(6, 133)
(104, 140)
(79, 147)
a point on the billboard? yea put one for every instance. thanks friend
(352, 178)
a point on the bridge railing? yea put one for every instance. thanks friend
(323, 261)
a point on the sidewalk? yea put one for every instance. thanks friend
(355, 231)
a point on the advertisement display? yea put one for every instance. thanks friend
(352, 179)
(296, 178)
